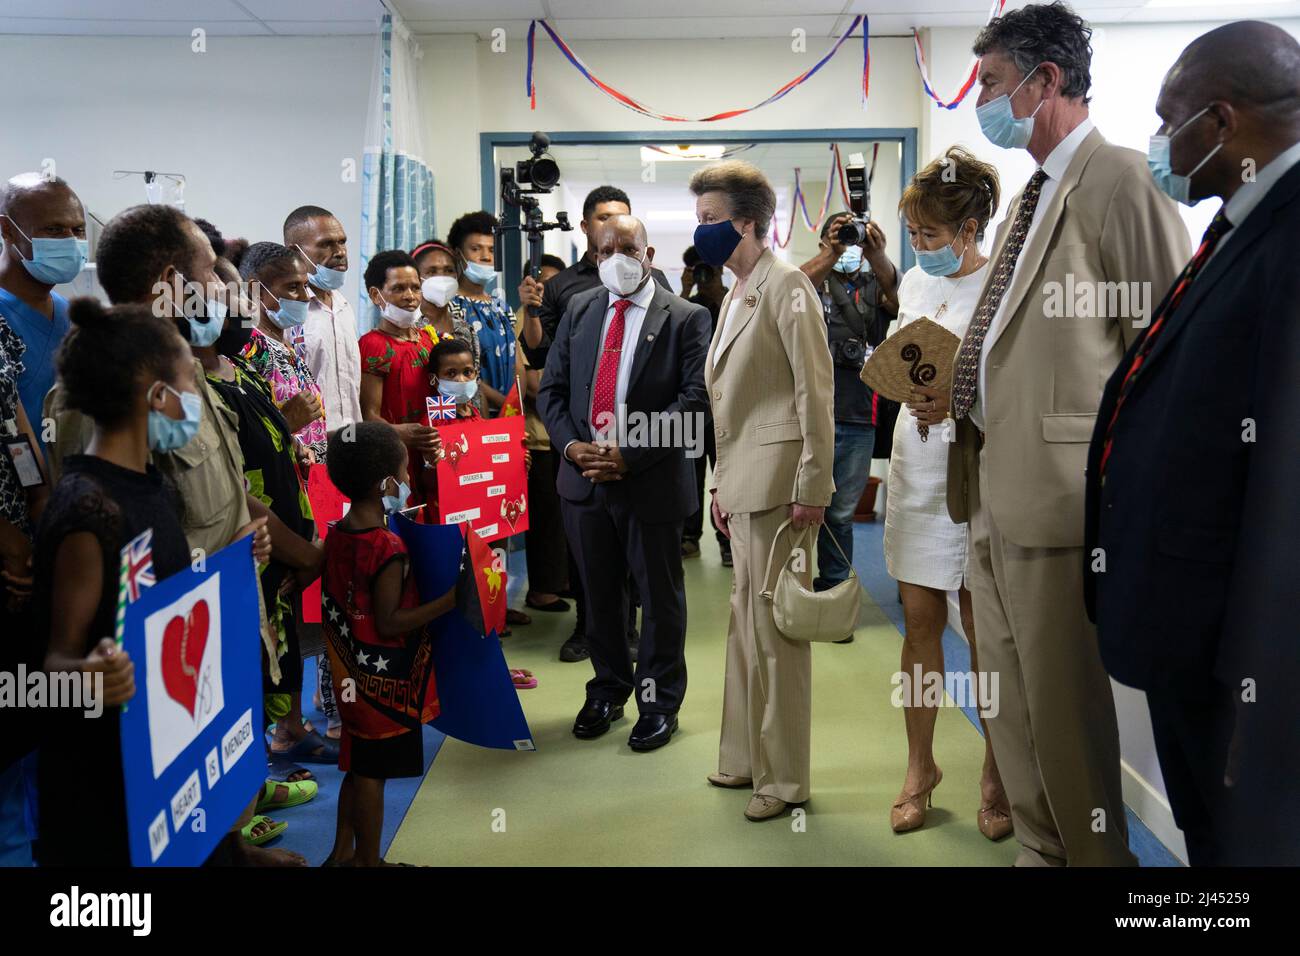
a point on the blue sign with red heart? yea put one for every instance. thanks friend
(192, 750)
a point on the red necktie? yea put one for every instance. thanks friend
(1217, 228)
(606, 390)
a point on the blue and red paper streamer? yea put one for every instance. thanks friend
(623, 99)
(970, 77)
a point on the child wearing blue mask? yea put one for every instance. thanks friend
(454, 375)
(132, 374)
(375, 631)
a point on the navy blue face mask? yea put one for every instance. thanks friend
(716, 241)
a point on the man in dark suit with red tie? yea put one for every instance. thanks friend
(623, 399)
(1192, 520)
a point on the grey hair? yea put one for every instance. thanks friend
(749, 194)
(1043, 33)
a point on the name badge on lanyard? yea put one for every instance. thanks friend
(25, 460)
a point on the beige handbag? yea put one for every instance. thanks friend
(804, 615)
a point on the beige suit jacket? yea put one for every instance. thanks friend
(770, 384)
(1066, 328)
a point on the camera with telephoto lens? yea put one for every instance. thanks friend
(855, 233)
(703, 273)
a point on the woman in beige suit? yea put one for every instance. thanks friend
(769, 378)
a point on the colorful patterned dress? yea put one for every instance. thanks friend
(13, 497)
(272, 475)
(285, 370)
(494, 324)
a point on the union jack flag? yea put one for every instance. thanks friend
(440, 409)
(137, 560)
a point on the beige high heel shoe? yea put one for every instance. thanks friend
(908, 812)
(995, 821)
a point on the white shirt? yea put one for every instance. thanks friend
(1250, 195)
(633, 319)
(1055, 165)
(732, 308)
(334, 357)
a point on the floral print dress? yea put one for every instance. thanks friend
(285, 370)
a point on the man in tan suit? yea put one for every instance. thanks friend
(1085, 247)
(769, 378)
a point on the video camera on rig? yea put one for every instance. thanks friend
(541, 173)
(855, 233)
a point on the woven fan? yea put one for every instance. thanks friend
(920, 353)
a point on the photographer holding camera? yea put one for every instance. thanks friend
(859, 292)
(705, 282)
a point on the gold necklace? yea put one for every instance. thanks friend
(944, 306)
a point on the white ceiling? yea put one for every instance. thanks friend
(573, 19)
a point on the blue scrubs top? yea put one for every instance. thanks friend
(42, 337)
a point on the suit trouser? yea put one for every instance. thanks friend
(613, 547)
(1055, 736)
(1192, 733)
(767, 699)
(545, 546)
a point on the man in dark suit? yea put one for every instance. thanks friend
(541, 306)
(622, 398)
(1192, 525)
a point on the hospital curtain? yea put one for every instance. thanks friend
(397, 185)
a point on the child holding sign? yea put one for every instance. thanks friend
(455, 379)
(130, 372)
(375, 634)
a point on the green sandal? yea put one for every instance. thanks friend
(299, 792)
(246, 831)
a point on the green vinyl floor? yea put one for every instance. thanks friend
(596, 802)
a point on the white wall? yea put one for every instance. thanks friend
(469, 89)
(257, 125)
(1129, 64)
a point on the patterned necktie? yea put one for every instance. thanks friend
(1217, 229)
(966, 375)
(606, 390)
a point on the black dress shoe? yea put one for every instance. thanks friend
(595, 717)
(574, 649)
(652, 731)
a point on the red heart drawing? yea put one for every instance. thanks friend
(182, 652)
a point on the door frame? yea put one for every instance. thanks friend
(905, 136)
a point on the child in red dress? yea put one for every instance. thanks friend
(374, 626)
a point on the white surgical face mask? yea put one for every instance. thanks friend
(439, 289)
(622, 274)
(402, 318)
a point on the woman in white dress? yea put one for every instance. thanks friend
(946, 206)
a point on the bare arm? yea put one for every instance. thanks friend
(372, 396)
(386, 595)
(78, 576)
(828, 253)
